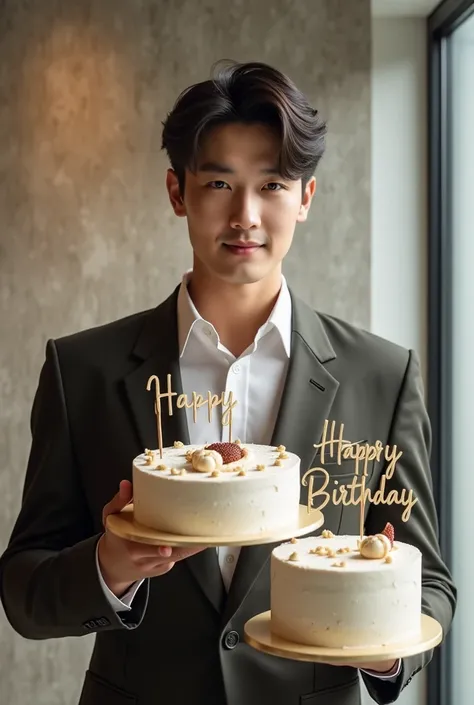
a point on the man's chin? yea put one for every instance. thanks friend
(241, 276)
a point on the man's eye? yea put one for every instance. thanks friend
(219, 185)
(274, 186)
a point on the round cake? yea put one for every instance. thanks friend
(333, 591)
(222, 489)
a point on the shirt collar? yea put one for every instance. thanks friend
(279, 319)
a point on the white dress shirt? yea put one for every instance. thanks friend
(256, 378)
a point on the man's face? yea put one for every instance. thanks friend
(241, 214)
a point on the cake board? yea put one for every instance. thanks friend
(257, 634)
(123, 524)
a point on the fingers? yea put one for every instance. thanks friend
(151, 556)
(125, 491)
(163, 566)
(153, 561)
(140, 553)
(150, 567)
(119, 501)
(124, 561)
(180, 554)
(161, 569)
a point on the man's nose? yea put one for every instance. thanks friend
(245, 214)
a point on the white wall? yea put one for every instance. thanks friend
(399, 180)
(399, 199)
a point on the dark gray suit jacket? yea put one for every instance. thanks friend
(182, 643)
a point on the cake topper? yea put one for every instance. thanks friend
(195, 402)
(356, 493)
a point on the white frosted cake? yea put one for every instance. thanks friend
(218, 490)
(326, 591)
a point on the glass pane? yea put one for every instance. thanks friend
(462, 164)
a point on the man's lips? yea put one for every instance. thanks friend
(243, 248)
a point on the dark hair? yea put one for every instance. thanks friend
(246, 93)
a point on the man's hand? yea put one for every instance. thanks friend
(123, 562)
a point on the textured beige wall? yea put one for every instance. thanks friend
(86, 234)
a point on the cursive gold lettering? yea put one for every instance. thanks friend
(319, 493)
(195, 402)
(392, 457)
(213, 400)
(355, 493)
(353, 486)
(409, 503)
(342, 498)
(228, 405)
(404, 498)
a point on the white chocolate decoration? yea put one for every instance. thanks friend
(374, 547)
(206, 460)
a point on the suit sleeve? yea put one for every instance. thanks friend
(411, 432)
(49, 584)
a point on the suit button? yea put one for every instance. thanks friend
(231, 640)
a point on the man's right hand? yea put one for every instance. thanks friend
(124, 562)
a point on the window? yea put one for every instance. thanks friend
(451, 325)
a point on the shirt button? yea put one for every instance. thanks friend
(231, 640)
(236, 369)
(229, 559)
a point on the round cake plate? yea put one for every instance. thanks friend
(124, 525)
(257, 633)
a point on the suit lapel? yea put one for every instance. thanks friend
(310, 389)
(307, 399)
(157, 353)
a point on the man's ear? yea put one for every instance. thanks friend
(308, 194)
(174, 193)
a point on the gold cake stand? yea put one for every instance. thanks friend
(124, 525)
(258, 634)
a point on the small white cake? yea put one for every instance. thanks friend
(325, 593)
(218, 490)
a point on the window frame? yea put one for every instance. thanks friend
(447, 16)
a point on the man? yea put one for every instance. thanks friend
(169, 622)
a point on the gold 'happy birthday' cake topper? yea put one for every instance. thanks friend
(195, 402)
(356, 493)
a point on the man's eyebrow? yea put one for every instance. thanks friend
(217, 168)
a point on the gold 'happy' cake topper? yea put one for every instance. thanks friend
(362, 454)
(195, 402)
